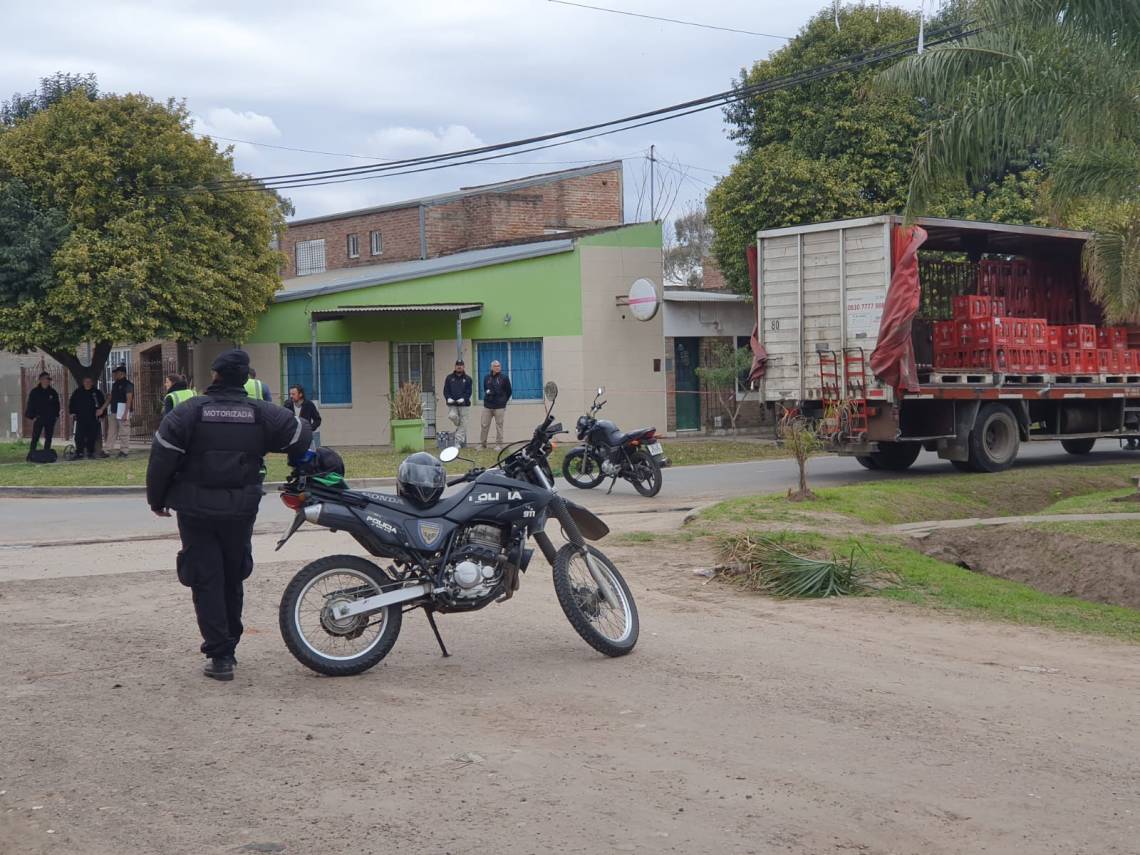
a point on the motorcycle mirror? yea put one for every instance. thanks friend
(601, 391)
(550, 390)
(449, 454)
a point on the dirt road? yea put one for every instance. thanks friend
(738, 725)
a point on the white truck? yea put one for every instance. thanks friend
(845, 313)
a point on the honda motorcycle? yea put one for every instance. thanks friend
(341, 615)
(636, 456)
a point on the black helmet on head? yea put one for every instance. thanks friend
(421, 479)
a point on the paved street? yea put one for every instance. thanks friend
(30, 520)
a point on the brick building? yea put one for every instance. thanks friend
(574, 199)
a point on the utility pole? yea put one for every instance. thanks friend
(652, 188)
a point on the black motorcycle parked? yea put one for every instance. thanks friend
(636, 456)
(341, 614)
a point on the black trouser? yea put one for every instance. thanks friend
(215, 559)
(47, 428)
(86, 432)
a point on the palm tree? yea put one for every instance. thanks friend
(1032, 73)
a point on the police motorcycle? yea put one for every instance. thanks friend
(608, 452)
(341, 614)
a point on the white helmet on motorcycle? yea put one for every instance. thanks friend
(421, 479)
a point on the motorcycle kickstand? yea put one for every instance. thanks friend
(435, 630)
(613, 482)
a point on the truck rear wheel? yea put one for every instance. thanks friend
(896, 456)
(994, 440)
(867, 461)
(1078, 446)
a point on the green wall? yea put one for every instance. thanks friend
(542, 295)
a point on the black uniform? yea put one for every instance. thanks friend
(206, 463)
(43, 410)
(84, 405)
(457, 388)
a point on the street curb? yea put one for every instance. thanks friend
(692, 515)
(125, 490)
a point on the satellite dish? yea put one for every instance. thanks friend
(643, 301)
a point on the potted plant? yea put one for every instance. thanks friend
(408, 419)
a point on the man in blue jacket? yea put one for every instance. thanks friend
(496, 394)
(457, 393)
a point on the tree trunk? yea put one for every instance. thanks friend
(78, 370)
(802, 461)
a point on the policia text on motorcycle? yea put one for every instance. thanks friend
(207, 463)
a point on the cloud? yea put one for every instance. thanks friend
(248, 125)
(393, 143)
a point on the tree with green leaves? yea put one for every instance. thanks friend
(686, 251)
(1060, 72)
(52, 89)
(839, 147)
(115, 186)
(725, 365)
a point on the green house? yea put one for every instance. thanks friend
(555, 308)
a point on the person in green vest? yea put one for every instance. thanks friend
(255, 389)
(178, 391)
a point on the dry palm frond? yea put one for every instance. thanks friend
(408, 403)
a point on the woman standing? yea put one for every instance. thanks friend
(304, 409)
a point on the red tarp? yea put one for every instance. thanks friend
(893, 358)
(759, 354)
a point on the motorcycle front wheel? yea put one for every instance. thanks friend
(582, 470)
(320, 641)
(646, 474)
(609, 630)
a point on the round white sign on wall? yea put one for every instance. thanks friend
(643, 301)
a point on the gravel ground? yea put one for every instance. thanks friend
(737, 725)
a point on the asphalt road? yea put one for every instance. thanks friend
(34, 520)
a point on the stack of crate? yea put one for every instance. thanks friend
(982, 337)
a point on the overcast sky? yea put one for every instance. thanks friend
(400, 79)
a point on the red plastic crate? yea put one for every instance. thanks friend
(1079, 336)
(951, 358)
(1053, 337)
(1053, 361)
(982, 333)
(1038, 332)
(1108, 361)
(946, 335)
(1114, 338)
(1068, 362)
(1088, 361)
(997, 305)
(970, 307)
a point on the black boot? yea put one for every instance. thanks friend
(221, 668)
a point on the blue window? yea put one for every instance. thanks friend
(522, 363)
(336, 372)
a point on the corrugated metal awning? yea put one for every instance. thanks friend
(465, 311)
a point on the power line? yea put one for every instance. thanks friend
(669, 20)
(854, 62)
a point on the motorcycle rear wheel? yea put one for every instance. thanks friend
(582, 470)
(646, 474)
(610, 631)
(319, 641)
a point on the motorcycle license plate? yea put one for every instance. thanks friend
(655, 448)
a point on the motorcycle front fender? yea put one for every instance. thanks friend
(588, 523)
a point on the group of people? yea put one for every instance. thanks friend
(496, 393)
(87, 407)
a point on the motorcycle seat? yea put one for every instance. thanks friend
(617, 437)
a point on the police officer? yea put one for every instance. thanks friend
(177, 392)
(256, 389)
(206, 463)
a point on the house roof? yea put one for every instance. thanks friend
(464, 192)
(693, 295)
(352, 278)
(466, 310)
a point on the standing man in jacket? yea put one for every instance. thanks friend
(256, 389)
(457, 393)
(86, 406)
(206, 463)
(496, 394)
(43, 410)
(122, 404)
